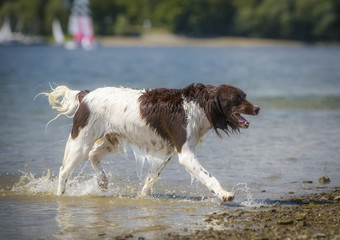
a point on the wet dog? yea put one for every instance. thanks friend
(158, 123)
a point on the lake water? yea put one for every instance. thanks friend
(294, 139)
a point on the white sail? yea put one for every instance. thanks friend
(6, 32)
(58, 34)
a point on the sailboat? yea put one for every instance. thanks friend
(80, 26)
(57, 31)
(9, 38)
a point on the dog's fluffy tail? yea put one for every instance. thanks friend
(64, 100)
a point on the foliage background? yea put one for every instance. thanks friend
(306, 20)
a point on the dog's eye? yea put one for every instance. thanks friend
(240, 99)
(243, 96)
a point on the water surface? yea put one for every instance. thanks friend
(295, 138)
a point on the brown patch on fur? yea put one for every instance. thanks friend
(82, 94)
(80, 119)
(163, 111)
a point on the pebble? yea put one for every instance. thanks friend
(302, 237)
(300, 216)
(320, 235)
(285, 222)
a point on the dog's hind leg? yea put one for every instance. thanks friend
(76, 151)
(103, 147)
(155, 170)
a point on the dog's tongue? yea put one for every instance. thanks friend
(242, 122)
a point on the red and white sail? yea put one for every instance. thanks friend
(80, 23)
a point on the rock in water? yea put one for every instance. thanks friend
(324, 180)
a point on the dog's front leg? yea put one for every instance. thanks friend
(188, 159)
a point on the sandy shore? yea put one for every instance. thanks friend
(316, 216)
(167, 39)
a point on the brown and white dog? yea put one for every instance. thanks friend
(159, 123)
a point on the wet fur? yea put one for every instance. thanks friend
(159, 123)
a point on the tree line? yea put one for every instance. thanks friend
(306, 20)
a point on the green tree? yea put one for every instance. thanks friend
(104, 14)
(122, 25)
(290, 19)
(196, 17)
(307, 20)
(55, 9)
(315, 19)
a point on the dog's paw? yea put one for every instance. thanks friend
(227, 196)
(102, 182)
(145, 192)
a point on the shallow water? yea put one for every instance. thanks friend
(294, 139)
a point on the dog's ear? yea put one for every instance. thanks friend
(215, 115)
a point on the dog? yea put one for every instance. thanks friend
(158, 123)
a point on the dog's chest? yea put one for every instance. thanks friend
(197, 122)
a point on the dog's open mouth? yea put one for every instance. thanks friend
(240, 121)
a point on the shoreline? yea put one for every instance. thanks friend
(316, 216)
(172, 40)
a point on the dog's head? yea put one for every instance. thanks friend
(225, 107)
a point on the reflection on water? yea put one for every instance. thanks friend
(80, 217)
(87, 212)
(288, 147)
(72, 217)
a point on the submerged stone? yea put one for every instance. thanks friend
(307, 181)
(324, 180)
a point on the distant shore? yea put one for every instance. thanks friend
(167, 39)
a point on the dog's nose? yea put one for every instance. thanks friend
(256, 110)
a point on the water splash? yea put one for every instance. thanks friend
(140, 160)
(85, 185)
(249, 201)
(242, 187)
(29, 183)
